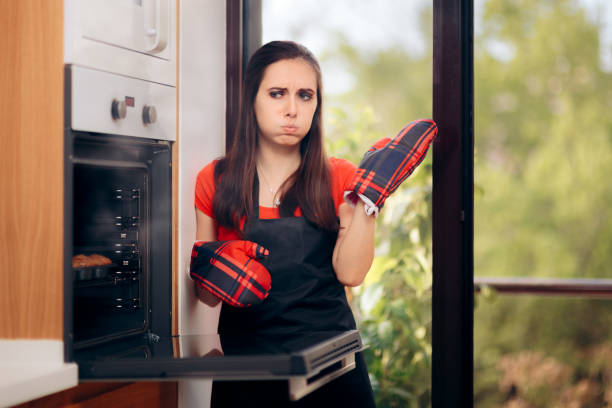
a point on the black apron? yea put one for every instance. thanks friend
(305, 296)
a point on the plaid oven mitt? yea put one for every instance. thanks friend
(389, 162)
(231, 271)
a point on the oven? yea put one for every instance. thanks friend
(118, 212)
(120, 130)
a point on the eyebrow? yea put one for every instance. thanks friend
(279, 88)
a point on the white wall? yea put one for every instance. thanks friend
(201, 139)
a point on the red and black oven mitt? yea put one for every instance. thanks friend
(231, 271)
(389, 162)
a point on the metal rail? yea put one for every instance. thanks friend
(546, 286)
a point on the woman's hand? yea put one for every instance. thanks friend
(206, 297)
(354, 250)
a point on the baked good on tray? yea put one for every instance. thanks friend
(86, 261)
(98, 259)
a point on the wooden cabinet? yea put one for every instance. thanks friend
(31, 169)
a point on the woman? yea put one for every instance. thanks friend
(276, 187)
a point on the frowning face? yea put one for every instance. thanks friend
(286, 102)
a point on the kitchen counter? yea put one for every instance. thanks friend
(31, 369)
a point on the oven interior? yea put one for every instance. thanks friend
(120, 237)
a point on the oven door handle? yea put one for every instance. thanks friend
(304, 385)
(156, 16)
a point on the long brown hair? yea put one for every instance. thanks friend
(309, 187)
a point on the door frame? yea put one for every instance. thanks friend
(453, 205)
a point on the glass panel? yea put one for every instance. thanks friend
(543, 140)
(545, 352)
(376, 60)
(543, 130)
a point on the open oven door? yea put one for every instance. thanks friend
(307, 361)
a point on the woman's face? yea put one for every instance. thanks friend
(286, 102)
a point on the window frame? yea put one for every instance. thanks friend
(453, 205)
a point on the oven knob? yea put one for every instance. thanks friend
(118, 109)
(149, 114)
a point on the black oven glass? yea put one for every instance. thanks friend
(118, 268)
(110, 213)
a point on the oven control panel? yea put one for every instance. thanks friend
(102, 102)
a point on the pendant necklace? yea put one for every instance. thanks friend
(276, 201)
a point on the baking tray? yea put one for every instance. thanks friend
(93, 273)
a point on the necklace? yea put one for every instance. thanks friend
(272, 191)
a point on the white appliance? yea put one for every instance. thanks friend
(133, 38)
(121, 55)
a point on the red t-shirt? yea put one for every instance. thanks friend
(341, 170)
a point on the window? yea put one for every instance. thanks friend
(543, 222)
